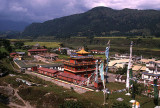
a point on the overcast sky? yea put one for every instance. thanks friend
(42, 10)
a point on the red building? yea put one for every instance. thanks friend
(36, 51)
(48, 72)
(82, 64)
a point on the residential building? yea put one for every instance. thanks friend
(152, 71)
(36, 51)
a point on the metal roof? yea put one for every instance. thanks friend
(47, 70)
(38, 50)
(23, 65)
(72, 76)
(151, 74)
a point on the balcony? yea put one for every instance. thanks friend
(80, 70)
(79, 64)
(82, 57)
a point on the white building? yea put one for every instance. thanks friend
(152, 71)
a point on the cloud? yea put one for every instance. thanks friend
(41, 10)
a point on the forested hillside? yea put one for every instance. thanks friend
(100, 21)
(8, 25)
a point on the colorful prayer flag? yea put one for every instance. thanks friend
(101, 69)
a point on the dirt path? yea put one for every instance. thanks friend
(17, 70)
(12, 105)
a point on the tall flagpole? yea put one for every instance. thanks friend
(129, 67)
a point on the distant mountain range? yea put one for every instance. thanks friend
(100, 21)
(8, 25)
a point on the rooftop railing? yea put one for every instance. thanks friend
(79, 64)
(88, 56)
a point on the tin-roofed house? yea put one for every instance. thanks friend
(37, 51)
(152, 71)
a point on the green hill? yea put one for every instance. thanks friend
(100, 21)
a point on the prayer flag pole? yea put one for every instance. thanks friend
(128, 69)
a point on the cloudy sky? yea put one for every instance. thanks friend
(42, 10)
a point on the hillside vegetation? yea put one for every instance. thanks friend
(100, 21)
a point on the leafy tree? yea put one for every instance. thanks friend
(6, 44)
(122, 71)
(18, 45)
(85, 47)
(137, 89)
(64, 51)
(61, 45)
(155, 92)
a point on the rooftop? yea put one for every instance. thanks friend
(47, 70)
(22, 64)
(82, 51)
(151, 74)
(38, 50)
(72, 76)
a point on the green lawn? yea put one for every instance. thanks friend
(20, 50)
(60, 56)
(47, 44)
(18, 40)
(115, 86)
(111, 37)
(103, 56)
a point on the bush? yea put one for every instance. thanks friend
(72, 104)
(120, 105)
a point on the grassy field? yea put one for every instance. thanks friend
(47, 44)
(110, 37)
(20, 40)
(54, 95)
(60, 56)
(102, 56)
(79, 37)
(20, 50)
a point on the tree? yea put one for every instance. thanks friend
(85, 47)
(18, 45)
(61, 45)
(64, 51)
(7, 45)
(137, 89)
(122, 71)
(155, 92)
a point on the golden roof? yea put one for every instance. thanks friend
(82, 51)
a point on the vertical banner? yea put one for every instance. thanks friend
(101, 69)
(107, 57)
(96, 73)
